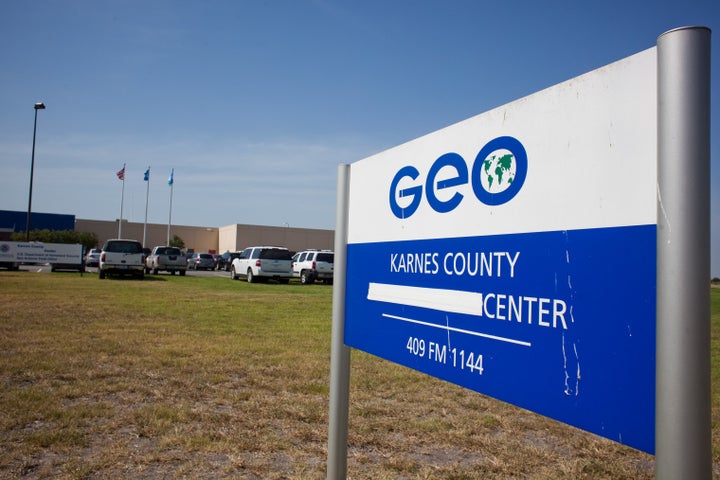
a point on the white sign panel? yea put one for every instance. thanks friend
(585, 168)
(38, 252)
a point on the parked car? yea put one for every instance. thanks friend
(93, 257)
(262, 263)
(222, 261)
(226, 260)
(169, 259)
(311, 265)
(201, 261)
(122, 257)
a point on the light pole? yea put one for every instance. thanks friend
(38, 106)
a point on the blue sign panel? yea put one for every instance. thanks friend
(561, 322)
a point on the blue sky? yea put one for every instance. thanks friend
(255, 103)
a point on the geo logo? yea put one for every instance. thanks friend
(497, 175)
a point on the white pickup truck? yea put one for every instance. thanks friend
(168, 259)
(121, 257)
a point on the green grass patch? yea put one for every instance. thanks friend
(202, 377)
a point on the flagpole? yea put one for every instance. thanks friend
(170, 182)
(147, 200)
(122, 200)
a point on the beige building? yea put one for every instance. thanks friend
(212, 239)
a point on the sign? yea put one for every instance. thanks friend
(514, 253)
(38, 252)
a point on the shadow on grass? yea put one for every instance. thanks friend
(147, 278)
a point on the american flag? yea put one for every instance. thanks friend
(121, 174)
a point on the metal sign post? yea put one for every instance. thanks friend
(683, 403)
(339, 353)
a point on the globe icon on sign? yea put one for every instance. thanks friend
(498, 171)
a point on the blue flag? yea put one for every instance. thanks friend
(146, 177)
(170, 180)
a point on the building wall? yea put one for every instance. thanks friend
(236, 237)
(227, 239)
(209, 239)
(199, 239)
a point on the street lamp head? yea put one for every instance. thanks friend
(39, 106)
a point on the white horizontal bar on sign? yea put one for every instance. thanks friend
(451, 301)
(459, 330)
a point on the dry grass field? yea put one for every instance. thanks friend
(190, 377)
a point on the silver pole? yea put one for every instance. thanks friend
(170, 210)
(122, 200)
(683, 419)
(339, 352)
(147, 201)
(38, 106)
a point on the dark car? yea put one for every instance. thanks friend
(201, 261)
(225, 261)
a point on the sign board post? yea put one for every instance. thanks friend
(516, 254)
(339, 352)
(683, 437)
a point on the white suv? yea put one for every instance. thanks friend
(311, 265)
(261, 263)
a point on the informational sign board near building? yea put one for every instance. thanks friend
(38, 252)
(514, 253)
